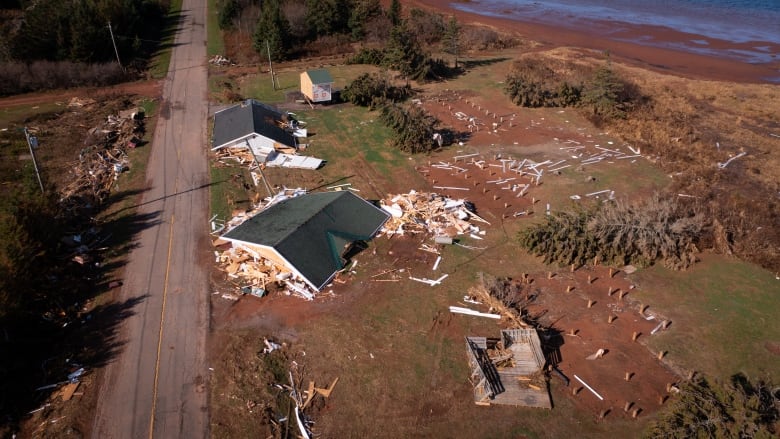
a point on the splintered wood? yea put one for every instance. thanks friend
(245, 264)
(508, 370)
(102, 160)
(430, 213)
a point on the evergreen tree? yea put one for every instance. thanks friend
(403, 53)
(272, 31)
(605, 94)
(228, 13)
(362, 12)
(327, 17)
(413, 127)
(737, 409)
(394, 13)
(451, 39)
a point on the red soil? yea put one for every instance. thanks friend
(654, 58)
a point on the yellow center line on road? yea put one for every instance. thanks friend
(162, 321)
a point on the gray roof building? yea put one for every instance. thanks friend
(248, 120)
(311, 232)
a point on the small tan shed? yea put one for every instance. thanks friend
(317, 85)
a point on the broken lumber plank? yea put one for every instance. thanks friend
(471, 312)
(588, 387)
(327, 391)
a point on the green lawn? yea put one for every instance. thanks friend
(215, 45)
(158, 67)
(723, 313)
(289, 79)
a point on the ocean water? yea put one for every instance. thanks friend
(749, 23)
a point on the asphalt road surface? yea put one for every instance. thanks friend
(156, 386)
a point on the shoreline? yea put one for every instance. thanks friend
(621, 43)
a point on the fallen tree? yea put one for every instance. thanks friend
(620, 233)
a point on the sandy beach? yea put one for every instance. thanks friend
(617, 39)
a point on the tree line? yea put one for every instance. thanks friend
(62, 43)
(285, 27)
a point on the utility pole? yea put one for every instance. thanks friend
(30, 141)
(270, 65)
(111, 31)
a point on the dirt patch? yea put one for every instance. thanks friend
(609, 323)
(151, 89)
(773, 347)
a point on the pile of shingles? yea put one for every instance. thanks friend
(419, 212)
(103, 159)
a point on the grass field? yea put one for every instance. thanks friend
(400, 356)
(158, 67)
(723, 313)
(215, 45)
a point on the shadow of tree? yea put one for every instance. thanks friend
(58, 331)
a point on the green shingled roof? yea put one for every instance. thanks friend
(310, 231)
(320, 76)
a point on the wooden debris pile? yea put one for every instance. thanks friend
(430, 213)
(303, 400)
(508, 370)
(102, 160)
(240, 154)
(251, 272)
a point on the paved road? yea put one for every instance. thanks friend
(155, 387)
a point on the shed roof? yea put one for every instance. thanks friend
(311, 231)
(319, 76)
(246, 118)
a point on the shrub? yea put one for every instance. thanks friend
(374, 90)
(531, 83)
(368, 56)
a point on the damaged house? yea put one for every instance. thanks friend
(270, 135)
(309, 235)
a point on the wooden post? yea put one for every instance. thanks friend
(629, 375)
(569, 288)
(572, 268)
(635, 413)
(668, 387)
(603, 413)
(590, 304)
(575, 390)
(549, 275)
(611, 319)
(661, 355)
(627, 407)
(590, 279)
(611, 273)
(634, 336)
(662, 399)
